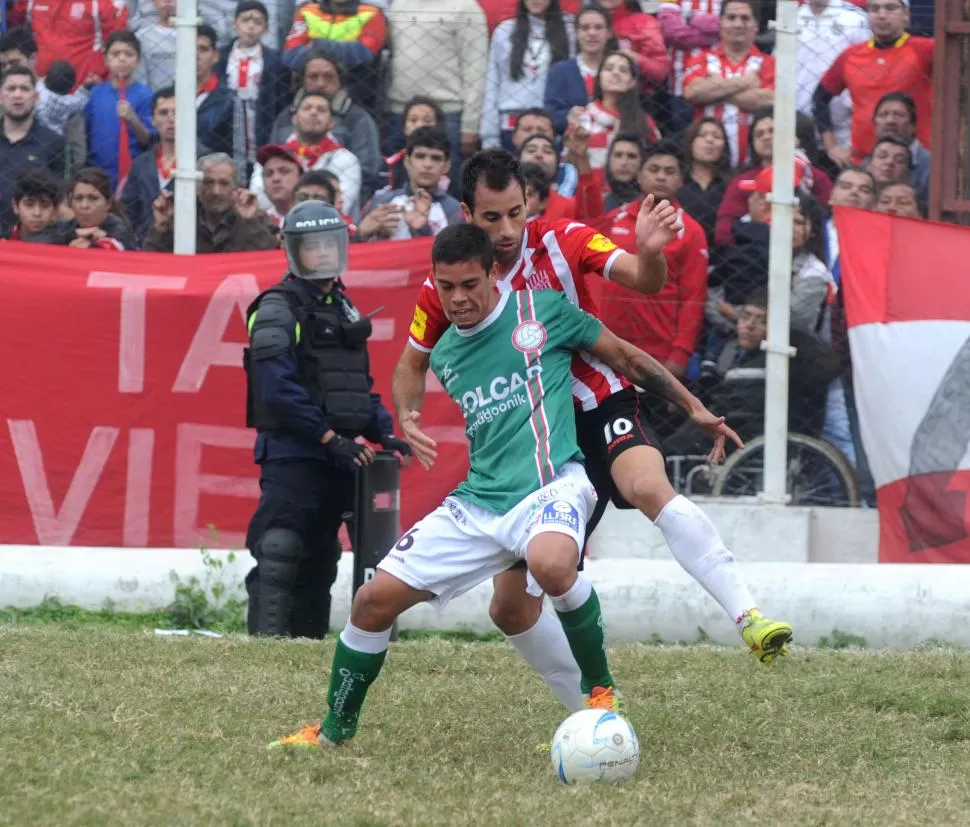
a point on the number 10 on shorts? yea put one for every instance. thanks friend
(617, 428)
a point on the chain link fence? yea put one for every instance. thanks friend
(603, 103)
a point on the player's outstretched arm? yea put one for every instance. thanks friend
(657, 226)
(646, 372)
(407, 391)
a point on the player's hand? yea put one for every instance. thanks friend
(400, 448)
(346, 451)
(657, 225)
(425, 448)
(717, 427)
(245, 204)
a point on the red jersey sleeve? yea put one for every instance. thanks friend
(696, 68)
(767, 73)
(429, 323)
(833, 81)
(587, 251)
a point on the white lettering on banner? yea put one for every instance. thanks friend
(382, 330)
(57, 527)
(138, 487)
(235, 292)
(191, 483)
(357, 279)
(131, 347)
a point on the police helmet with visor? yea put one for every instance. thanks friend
(315, 239)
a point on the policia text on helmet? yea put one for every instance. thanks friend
(309, 398)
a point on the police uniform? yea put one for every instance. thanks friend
(309, 396)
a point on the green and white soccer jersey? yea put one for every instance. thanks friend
(510, 375)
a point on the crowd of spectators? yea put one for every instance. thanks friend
(372, 107)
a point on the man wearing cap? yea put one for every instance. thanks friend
(281, 174)
(309, 398)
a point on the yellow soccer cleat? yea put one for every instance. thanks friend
(766, 638)
(307, 738)
(607, 698)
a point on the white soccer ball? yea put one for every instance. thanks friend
(595, 745)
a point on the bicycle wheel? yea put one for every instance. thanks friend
(817, 473)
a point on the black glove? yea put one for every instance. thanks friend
(393, 443)
(344, 451)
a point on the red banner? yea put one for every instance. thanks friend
(123, 413)
(908, 304)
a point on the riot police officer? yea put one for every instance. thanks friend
(309, 396)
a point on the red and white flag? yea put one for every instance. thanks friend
(907, 298)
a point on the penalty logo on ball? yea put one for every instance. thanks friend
(529, 336)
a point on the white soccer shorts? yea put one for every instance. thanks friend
(460, 544)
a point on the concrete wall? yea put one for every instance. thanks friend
(810, 566)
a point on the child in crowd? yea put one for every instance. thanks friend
(56, 103)
(119, 102)
(35, 199)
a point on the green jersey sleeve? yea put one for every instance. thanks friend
(578, 329)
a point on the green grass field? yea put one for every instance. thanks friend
(108, 726)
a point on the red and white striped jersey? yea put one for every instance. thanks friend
(680, 57)
(602, 125)
(556, 255)
(737, 122)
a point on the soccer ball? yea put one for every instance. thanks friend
(595, 745)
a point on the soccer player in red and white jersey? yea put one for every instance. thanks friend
(623, 458)
(732, 80)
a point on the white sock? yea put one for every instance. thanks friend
(577, 595)
(371, 643)
(545, 648)
(698, 548)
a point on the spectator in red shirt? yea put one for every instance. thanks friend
(892, 61)
(734, 79)
(639, 35)
(75, 31)
(666, 325)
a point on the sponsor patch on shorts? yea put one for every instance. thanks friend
(560, 512)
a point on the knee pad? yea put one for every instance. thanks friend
(280, 553)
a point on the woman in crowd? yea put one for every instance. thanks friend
(734, 203)
(520, 55)
(98, 220)
(571, 82)
(639, 35)
(615, 108)
(708, 169)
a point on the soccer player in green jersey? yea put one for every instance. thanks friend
(506, 362)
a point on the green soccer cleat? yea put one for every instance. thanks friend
(766, 638)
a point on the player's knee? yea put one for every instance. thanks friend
(370, 611)
(649, 493)
(514, 614)
(552, 560)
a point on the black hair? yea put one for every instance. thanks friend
(858, 171)
(318, 178)
(497, 168)
(19, 39)
(898, 97)
(308, 95)
(629, 138)
(321, 51)
(723, 167)
(536, 112)
(535, 177)
(756, 117)
(538, 136)
(19, 70)
(751, 4)
(252, 5)
(61, 77)
(164, 93)
(460, 243)
(895, 140)
(633, 120)
(123, 36)
(757, 298)
(206, 31)
(805, 134)
(555, 35)
(424, 100)
(37, 183)
(671, 148)
(429, 137)
(809, 207)
(910, 187)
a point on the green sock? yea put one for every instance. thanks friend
(351, 675)
(584, 631)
